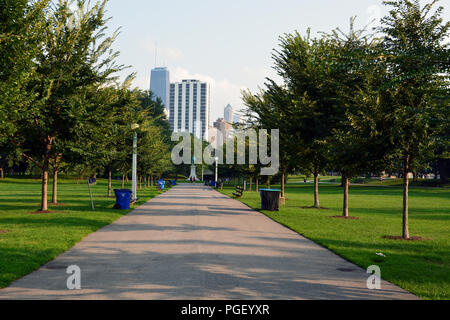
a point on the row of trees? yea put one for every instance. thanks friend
(357, 102)
(61, 105)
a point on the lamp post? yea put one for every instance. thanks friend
(217, 160)
(134, 127)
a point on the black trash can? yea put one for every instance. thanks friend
(270, 199)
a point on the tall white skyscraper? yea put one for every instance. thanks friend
(228, 114)
(189, 106)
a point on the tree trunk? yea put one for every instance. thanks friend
(123, 181)
(44, 198)
(251, 180)
(109, 181)
(405, 198)
(55, 186)
(257, 185)
(435, 170)
(140, 182)
(2, 174)
(282, 184)
(345, 207)
(152, 181)
(44, 205)
(316, 189)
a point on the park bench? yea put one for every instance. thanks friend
(239, 192)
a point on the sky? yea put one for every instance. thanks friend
(226, 43)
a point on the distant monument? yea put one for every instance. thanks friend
(193, 174)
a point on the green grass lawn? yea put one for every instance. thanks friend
(421, 267)
(32, 240)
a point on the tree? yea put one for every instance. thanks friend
(416, 54)
(304, 64)
(357, 143)
(69, 60)
(21, 23)
(269, 110)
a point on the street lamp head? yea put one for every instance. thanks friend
(134, 126)
(216, 158)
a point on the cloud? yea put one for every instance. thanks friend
(178, 74)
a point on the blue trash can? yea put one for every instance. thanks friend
(123, 197)
(213, 184)
(173, 182)
(161, 184)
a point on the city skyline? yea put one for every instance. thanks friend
(231, 45)
(160, 85)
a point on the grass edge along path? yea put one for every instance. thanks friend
(420, 267)
(31, 240)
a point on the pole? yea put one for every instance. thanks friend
(90, 193)
(216, 170)
(134, 175)
(202, 173)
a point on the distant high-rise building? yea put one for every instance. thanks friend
(228, 114)
(159, 84)
(212, 139)
(236, 118)
(222, 125)
(189, 107)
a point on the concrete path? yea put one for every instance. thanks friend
(195, 243)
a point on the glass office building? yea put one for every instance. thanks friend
(159, 84)
(228, 114)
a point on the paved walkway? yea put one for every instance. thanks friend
(195, 243)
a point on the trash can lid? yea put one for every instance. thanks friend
(273, 190)
(123, 190)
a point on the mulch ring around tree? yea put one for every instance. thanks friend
(4, 231)
(408, 239)
(45, 212)
(312, 207)
(345, 218)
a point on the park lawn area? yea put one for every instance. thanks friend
(32, 239)
(399, 183)
(420, 267)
